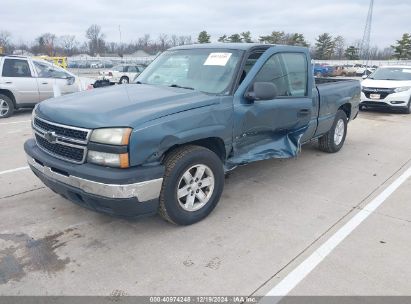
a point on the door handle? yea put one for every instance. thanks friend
(9, 82)
(303, 112)
(44, 83)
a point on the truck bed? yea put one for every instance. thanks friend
(323, 80)
(332, 93)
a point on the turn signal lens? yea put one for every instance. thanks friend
(124, 161)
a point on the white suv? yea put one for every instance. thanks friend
(388, 87)
(25, 81)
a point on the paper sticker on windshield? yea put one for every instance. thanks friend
(406, 71)
(217, 59)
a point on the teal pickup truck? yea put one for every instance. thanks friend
(163, 144)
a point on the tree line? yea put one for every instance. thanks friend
(325, 46)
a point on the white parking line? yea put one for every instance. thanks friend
(302, 270)
(14, 170)
(14, 122)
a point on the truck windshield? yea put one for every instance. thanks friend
(207, 70)
(392, 74)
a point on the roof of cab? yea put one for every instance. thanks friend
(238, 46)
(221, 45)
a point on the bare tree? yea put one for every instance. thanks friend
(146, 40)
(339, 43)
(45, 44)
(68, 43)
(112, 47)
(5, 39)
(174, 40)
(96, 39)
(163, 39)
(182, 40)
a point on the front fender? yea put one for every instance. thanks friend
(149, 142)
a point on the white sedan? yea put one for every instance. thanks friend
(122, 73)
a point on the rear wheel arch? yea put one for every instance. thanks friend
(10, 95)
(347, 109)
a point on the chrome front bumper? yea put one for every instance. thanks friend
(143, 191)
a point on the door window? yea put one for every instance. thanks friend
(132, 69)
(296, 67)
(16, 68)
(45, 70)
(289, 73)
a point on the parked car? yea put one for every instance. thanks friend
(163, 144)
(72, 64)
(323, 70)
(388, 87)
(25, 81)
(96, 65)
(122, 74)
(350, 69)
(339, 70)
(364, 70)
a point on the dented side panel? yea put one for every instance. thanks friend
(270, 128)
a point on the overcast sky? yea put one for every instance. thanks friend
(27, 19)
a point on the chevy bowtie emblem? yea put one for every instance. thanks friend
(50, 137)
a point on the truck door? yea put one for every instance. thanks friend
(273, 128)
(18, 78)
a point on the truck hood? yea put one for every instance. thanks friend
(387, 84)
(121, 105)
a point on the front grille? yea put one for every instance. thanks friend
(59, 130)
(382, 91)
(62, 151)
(61, 141)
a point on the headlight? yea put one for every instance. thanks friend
(112, 136)
(108, 159)
(402, 89)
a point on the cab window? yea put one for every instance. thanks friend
(16, 68)
(288, 72)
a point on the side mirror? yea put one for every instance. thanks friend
(364, 76)
(70, 80)
(263, 91)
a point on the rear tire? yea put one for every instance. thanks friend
(6, 106)
(192, 185)
(334, 139)
(124, 80)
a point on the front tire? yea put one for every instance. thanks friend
(334, 139)
(408, 109)
(6, 106)
(192, 185)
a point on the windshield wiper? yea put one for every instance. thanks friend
(180, 87)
